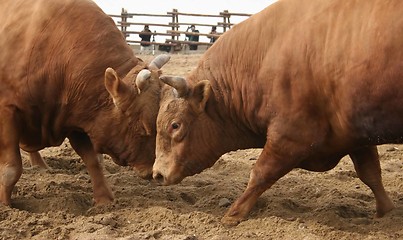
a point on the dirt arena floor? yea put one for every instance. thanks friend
(57, 203)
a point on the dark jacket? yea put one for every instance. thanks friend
(193, 38)
(145, 35)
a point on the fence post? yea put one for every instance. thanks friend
(175, 26)
(154, 42)
(228, 20)
(225, 16)
(123, 27)
(175, 21)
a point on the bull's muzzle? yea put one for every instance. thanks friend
(166, 179)
(159, 177)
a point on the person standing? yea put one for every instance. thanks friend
(192, 38)
(213, 31)
(145, 35)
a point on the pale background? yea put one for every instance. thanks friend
(187, 6)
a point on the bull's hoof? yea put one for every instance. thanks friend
(380, 214)
(40, 167)
(103, 201)
(5, 195)
(5, 204)
(37, 168)
(231, 221)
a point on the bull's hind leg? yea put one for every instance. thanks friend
(367, 166)
(37, 160)
(83, 146)
(270, 167)
(10, 158)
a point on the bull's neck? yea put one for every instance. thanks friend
(235, 126)
(234, 129)
(88, 98)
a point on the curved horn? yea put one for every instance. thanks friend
(159, 61)
(141, 79)
(179, 83)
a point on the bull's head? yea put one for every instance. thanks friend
(187, 136)
(130, 130)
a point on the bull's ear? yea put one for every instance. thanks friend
(112, 82)
(201, 94)
(116, 88)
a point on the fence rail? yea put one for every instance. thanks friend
(128, 22)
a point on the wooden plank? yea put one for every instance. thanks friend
(194, 14)
(192, 33)
(225, 24)
(152, 33)
(148, 15)
(111, 15)
(119, 16)
(222, 14)
(196, 24)
(153, 43)
(235, 14)
(142, 24)
(189, 42)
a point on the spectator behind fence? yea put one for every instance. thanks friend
(213, 31)
(193, 38)
(145, 36)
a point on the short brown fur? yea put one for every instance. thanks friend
(308, 81)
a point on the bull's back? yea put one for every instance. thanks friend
(335, 60)
(38, 35)
(54, 55)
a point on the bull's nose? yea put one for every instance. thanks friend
(158, 177)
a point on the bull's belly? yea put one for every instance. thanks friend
(31, 148)
(378, 119)
(328, 160)
(321, 163)
(36, 142)
(384, 132)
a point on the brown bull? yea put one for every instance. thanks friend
(60, 69)
(308, 81)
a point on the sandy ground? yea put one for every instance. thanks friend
(57, 203)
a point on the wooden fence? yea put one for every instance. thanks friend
(171, 28)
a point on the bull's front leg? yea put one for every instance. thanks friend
(10, 157)
(84, 148)
(268, 169)
(367, 166)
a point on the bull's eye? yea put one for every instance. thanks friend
(175, 125)
(176, 131)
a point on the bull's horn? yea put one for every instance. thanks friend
(159, 61)
(179, 83)
(141, 79)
